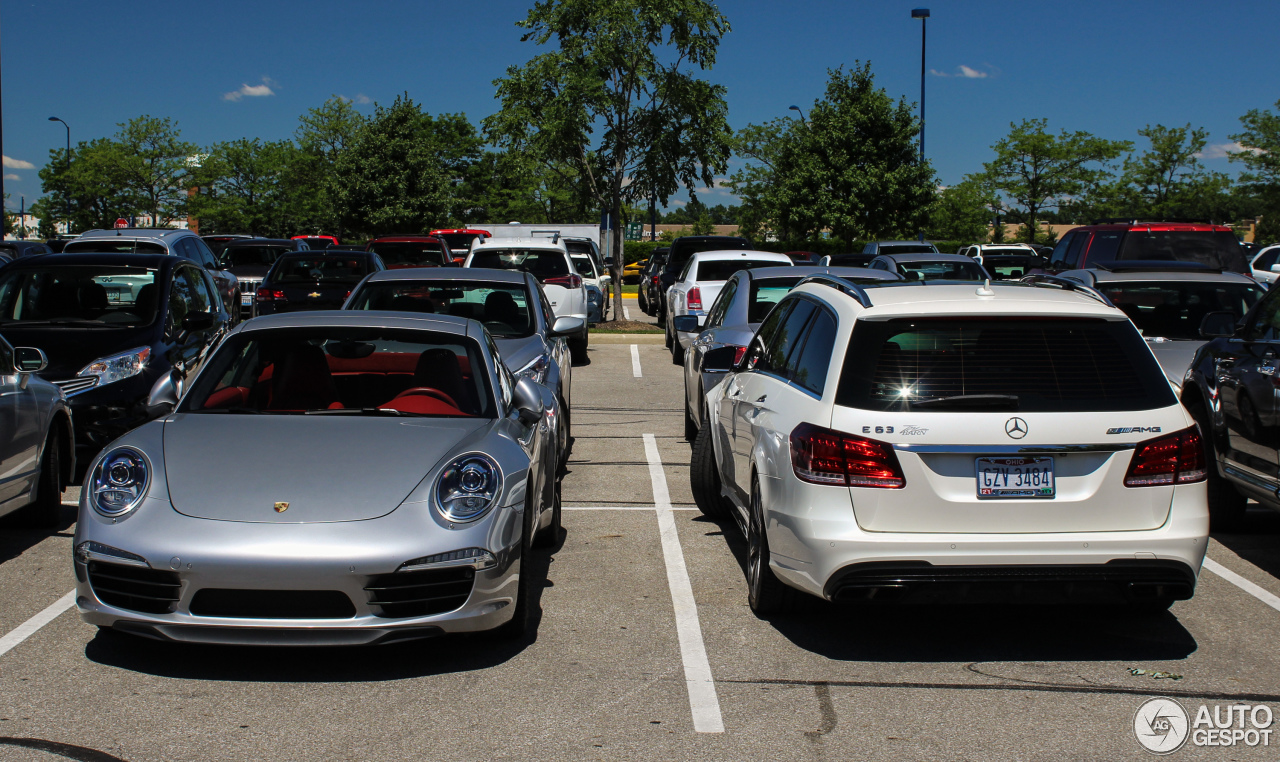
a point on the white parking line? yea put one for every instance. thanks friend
(626, 312)
(1256, 591)
(623, 508)
(29, 627)
(635, 360)
(697, 671)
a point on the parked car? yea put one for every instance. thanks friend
(804, 257)
(398, 251)
(57, 244)
(631, 272)
(699, 283)
(397, 473)
(316, 280)
(110, 326)
(547, 260)
(1167, 301)
(979, 250)
(603, 280)
(926, 266)
(1265, 265)
(938, 443)
(650, 281)
(1087, 246)
(37, 451)
(596, 282)
(179, 243)
(19, 249)
(734, 317)
(681, 249)
(846, 260)
(249, 259)
(460, 240)
(217, 243)
(318, 242)
(511, 306)
(1230, 390)
(876, 248)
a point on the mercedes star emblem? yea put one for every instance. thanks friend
(1016, 428)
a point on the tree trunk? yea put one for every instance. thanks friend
(1031, 224)
(615, 243)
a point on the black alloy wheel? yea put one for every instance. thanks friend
(766, 594)
(704, 476)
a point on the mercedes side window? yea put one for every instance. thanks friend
(765, 335)
(1058, 259)
(810, 368)
(785, 340)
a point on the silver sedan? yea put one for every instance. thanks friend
(36, 452)
(328, 478)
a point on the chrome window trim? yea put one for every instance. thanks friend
(1013, 449)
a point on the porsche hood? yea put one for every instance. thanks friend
(298, 469)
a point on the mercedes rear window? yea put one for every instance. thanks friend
(1024, 364)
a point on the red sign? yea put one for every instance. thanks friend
(122, 223)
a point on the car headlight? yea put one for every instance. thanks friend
(119, 482)
(468, 487)
(118, 367)
(536, 370)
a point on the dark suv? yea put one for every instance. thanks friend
(683, 248)
(1091, 245)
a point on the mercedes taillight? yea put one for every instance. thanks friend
(823, 456)
(1176, 458)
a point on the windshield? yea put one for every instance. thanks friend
(411, 253)
(322, 269)
(908, 248)
(584, 267)
(1025, 364)
(725, 268)
(111, 246)
(78, 294)
(541, 263)
(335, 371)
(503, 307)
(459, 240)
(1213, 248)
(1174, 309)
(684, 248)
(243, 256)
(970, 271)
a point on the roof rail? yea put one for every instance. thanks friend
(1066, 284)
(839, 284)
(1141, 221)
(555, 234)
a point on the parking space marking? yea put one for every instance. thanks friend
(29, 627)
(703, 701)
(1255, 590)
(626, 312)
(635, 360)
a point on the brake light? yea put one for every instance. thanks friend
(1176, 458)
(823, 456)
(738, 354)
(567, 281)
(695, 298)
(271, 295)
(655, 280)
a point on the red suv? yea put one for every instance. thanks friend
(1094, 245)
(400, 251)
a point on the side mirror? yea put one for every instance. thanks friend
(567, 326)
(197, 321)
(825, 261)
(686, 323)
(719, 360)
(527, 400)
(1275, 268)
(29, 360)
(165, 393)
(1218, 325)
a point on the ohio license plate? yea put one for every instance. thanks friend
(246, 299)
(1014, 477)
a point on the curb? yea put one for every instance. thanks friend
(628, 338)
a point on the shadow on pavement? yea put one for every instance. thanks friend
(419, 658)
(1258, 540)
(977, 633)
(16, 539)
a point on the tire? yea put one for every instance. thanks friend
(550, 534)
(567, 431)
(690, 428)
(766, 594)
(704, 478)
(45, 509)
(1226, 504)
(642, 302)
(666, 331)
(677, 351)
(578, 348)
(521, 623)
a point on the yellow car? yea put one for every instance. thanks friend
(631, 273)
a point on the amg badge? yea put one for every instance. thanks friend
(1135, 430)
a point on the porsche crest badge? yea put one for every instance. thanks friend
(281, 507)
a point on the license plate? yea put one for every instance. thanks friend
(1014, 477)
(246, 299)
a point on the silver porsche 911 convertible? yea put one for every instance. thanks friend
(328, 478)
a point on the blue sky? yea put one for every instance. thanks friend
(233, 69)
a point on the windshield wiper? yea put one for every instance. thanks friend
(975, 401)
(366, 411)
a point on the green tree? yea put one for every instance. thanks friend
(1036, 170)
(962, 212)
(92, 186)
(1259, 140)
(244, 188)
(155, 167)
(323, 134)
(619, 67)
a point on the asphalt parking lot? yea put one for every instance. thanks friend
(645, 648)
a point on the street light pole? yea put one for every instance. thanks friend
(923, 15)
(801, 113)
(66, 192)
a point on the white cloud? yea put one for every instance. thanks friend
(12, 163)
(1223, 150)
(252, 91)
(963, 72)
(12, 177)
(360, 100)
